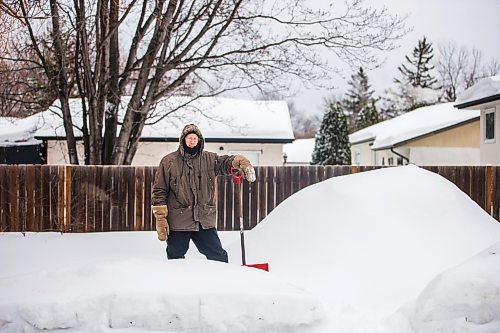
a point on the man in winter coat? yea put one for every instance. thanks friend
(183, 195)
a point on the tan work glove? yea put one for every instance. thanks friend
(241, 162)
(162, 228)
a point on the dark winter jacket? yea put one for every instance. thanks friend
(186, 184)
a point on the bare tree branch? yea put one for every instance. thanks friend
(197, 47)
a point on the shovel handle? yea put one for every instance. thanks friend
(237, 175)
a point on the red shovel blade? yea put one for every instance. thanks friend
(264, 267)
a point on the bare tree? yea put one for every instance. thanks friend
(218, 45)
(459, 68)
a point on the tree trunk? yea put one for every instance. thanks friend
(130, 130)
(62, 84)
(114, 95)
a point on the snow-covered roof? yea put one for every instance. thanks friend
(412, 125)
(486, 90)
(299, 151)
(16, 131)
(217, 118)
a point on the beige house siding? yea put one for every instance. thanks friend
(150, 153)
(490, 150)
(456, 146)
(462, 136)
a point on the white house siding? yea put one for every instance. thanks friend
(150, 153)
(444, 156)
(490, 151)
(57, 152)
(428, 156)
(362, 154)
(386, 157)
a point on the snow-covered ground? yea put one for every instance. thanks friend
(392, 250)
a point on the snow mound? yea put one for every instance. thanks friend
(154, 295)
(372, 239)
(465, 298)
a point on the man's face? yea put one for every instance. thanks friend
(191, 140)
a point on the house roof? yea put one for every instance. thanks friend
(219, 119)
(16, 131)
(412, 125)
(485, 91)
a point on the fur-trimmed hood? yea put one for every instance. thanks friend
(191, 128)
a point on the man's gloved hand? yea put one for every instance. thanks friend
(241, 162)
(162, 228)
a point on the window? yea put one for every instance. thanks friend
(489, 126)
(253, 156)
(357, 155)
(390, 161)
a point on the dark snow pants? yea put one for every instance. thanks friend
(206, 240)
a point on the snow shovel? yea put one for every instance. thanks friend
(237, 175)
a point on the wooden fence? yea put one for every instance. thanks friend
(118, 198)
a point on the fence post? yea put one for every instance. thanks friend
(67, 191)
(489, 189)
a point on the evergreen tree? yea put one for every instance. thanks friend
(394, 103)
(417, 72)
(331, 146)
(359, 104)
(367, 116)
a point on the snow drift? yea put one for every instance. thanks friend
(371, 240)
(465, 298)
(154, 295)
(344, 255)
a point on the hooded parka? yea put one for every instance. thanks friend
(186, 184)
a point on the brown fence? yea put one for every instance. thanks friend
(112, 198)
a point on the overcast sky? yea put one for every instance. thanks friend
(471, 23)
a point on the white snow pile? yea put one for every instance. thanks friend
(358, 253)
(465, 298)
(370, 242)
(178, 296)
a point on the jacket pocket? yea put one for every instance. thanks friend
(208, 215)
(181, 218)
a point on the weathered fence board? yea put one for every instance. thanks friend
(30, 199)
(148, 216)
(13, 198)
(271, 190)
(111, 198)
(229, 204)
